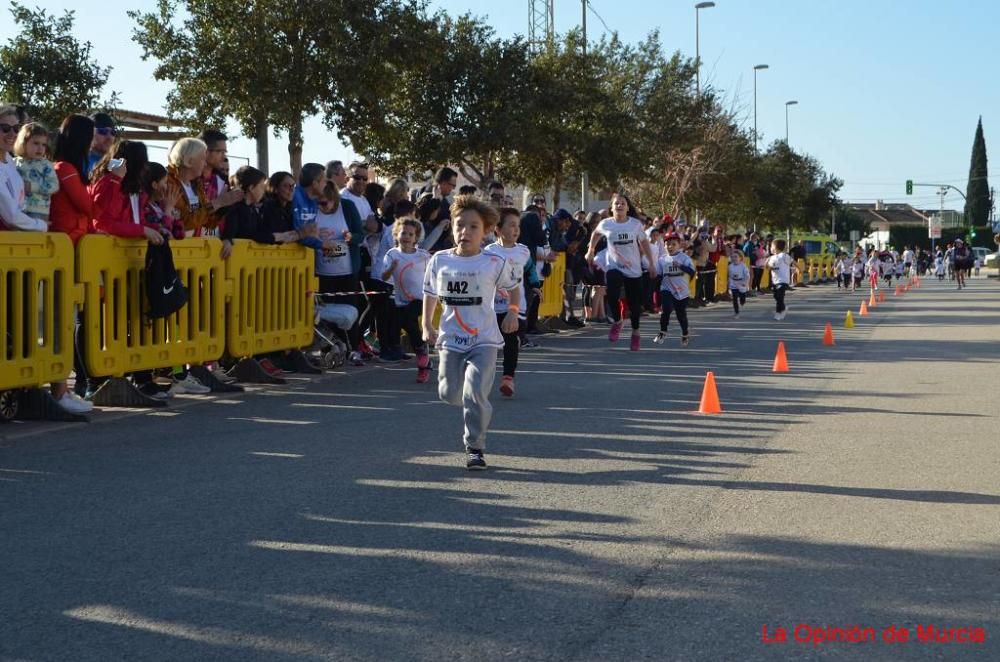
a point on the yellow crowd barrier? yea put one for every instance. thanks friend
(722, 275)
(765, 280)
(37, 298)
(803, 275)
(118, 336)
(552, 289)
(272, 298)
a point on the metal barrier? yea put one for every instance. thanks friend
(271, 308)
(37, 298)
(552, 289)
(118, 338)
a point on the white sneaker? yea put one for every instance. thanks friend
(777, 317)
(74, 404)
(784, 313)
(223, 376)
(189, 385)
(736, 316)
(660, 337)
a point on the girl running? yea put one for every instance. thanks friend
(466, 281)
(857, 272)
(404, 266)
(675, 289)
(627, 244)
(782, 268)
(517, 257)
(739, 281)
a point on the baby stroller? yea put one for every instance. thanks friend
(331, 324)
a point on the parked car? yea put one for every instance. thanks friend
(992, 261)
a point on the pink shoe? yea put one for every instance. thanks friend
(423, 374)
(615, 331)
(634, 345)
(423, 361)
(507, 386)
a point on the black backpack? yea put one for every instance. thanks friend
(164, 290)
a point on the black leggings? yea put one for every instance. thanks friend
(511, 345)
(739, 299)
(779, 297)
(382, 312)
(407, 319)
(668, 304)
(633, 294)
(758, 275)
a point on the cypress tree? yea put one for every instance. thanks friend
(977, 194)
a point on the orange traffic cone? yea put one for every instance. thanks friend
(828, 335)
(881, 296)
(871, 301)
(899, 291)
(709, 397)
(780, 359)
(864, 310)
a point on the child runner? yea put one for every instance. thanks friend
(782, 267)
(874, 269)
(939, 265)
(517, 257)
(404, 266)
(857, 272)
(466, 280)
(627, 244)
(675, 289)
(739, 280)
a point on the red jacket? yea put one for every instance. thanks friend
(71, 207)
(113, 209)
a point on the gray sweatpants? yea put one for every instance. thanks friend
(465, 379)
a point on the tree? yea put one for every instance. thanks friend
(272, 63)
(977, 197)
(792, 191)
(45, 68)
(462, 100)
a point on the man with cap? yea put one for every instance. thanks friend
(105, 131)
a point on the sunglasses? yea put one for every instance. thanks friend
(539, 201)
(359, 178)
(105, 131)
(10, 128)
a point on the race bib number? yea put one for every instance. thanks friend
(460, 292)
(622, 239)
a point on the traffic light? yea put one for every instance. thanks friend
(909, 187)
(973, 233)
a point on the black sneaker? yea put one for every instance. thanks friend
(474, 460)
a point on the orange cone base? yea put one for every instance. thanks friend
(828, 335)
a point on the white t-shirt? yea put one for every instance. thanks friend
(517, 257)
(623, 245)
(781, 268)
(408, 279)
(338, 261)
(466, 287)
(739, 277)
(908, 256)
(361, 202)
(858, 268)
(675, 280)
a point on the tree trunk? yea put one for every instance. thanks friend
(295, 144)
(557, 183)
(261, 137)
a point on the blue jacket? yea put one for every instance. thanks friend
(305, 209)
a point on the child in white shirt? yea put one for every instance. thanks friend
(782, 268)
(404, 266)
(675, 288)
(466, 280)
(739, 281)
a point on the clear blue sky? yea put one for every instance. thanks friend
(887, 90)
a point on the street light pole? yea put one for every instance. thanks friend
(787, 104)
(756, 68)
(697, 43)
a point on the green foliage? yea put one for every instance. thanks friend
(46, 69)
(849, 220)
(978, 200)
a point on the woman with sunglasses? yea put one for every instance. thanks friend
(12, 196)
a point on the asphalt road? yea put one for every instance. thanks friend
(332, 519)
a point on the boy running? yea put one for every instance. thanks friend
(675, 289)
(739, 280)
(466, 281)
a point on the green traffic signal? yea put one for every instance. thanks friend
(909, 187)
